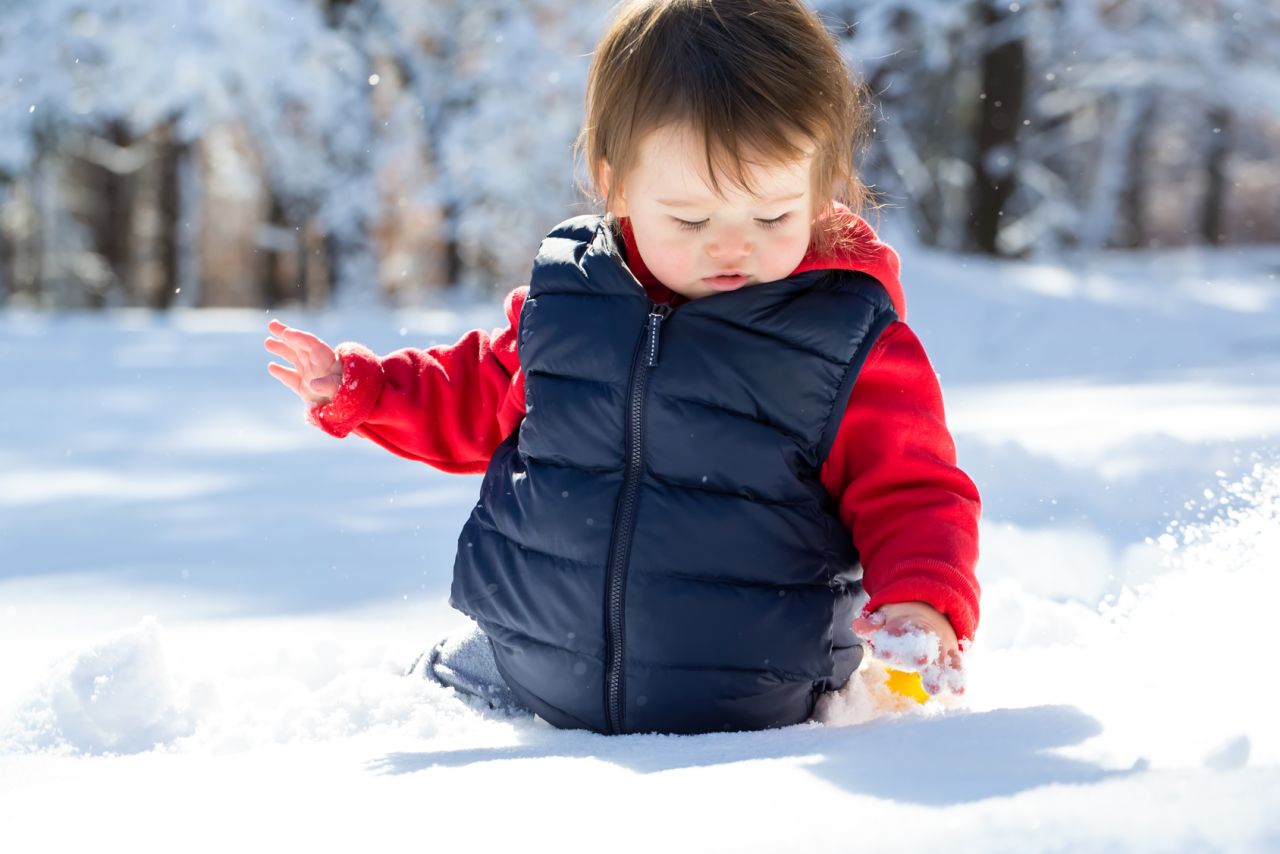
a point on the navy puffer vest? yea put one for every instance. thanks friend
(652, 549)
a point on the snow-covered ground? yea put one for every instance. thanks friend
(206, 604)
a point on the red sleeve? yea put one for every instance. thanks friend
(892, 472)
(448, 406)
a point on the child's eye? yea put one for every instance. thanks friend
(686, 225)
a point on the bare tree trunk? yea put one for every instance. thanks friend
(191, 198)
(284, 248)
(51, 288)
(334, 10)
(115, 227)
(1213, 209)
(169, 205)
(273, 287)
(7, 249)
(315, 265)
(452, 249)
(996, 136)
(1133, 201)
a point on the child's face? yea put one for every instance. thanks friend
(697, 243)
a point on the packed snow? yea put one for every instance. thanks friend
(207, 606)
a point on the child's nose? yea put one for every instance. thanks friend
(728, 246)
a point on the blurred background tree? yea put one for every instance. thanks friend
(346, 152)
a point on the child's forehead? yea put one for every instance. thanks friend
(673, 167)
(687, 144)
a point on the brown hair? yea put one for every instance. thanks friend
(753, 78)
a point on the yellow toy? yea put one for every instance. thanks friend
(906, 684)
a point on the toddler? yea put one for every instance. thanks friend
(707, 433)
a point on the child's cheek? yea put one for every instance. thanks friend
(782, 253)
(676, 258)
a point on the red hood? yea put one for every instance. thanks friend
(861, 250)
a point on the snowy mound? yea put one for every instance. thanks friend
(255, 686)
(1174, 664)
(118, 696)
(1201, 636)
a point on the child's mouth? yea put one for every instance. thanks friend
(726, 283)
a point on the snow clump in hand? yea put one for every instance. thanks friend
(912, 648)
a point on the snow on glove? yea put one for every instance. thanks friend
(915, 639)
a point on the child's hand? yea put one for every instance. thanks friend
(915, 636)
(318, 373)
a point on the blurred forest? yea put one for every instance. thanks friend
(347, 152)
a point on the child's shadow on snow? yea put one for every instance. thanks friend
(937, 761)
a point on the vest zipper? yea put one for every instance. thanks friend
(624, 525)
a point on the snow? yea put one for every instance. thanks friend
(911, 649)
(115, 697)
(206, 604)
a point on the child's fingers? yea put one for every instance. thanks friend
(288, 376)
(865, 624)
(305, 344)
(945, 674)
(290, 346)
(276, 347)
(300, 358)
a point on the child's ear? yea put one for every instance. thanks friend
(619, 205)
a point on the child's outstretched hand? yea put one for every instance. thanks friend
(916, 637)
(318, 371)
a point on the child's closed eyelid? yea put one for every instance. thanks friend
(688, 225)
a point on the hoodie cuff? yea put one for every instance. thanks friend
(362, 380)
(938, 584)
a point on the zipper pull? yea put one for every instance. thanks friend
(656, 316)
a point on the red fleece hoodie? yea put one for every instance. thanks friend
(912, 513)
